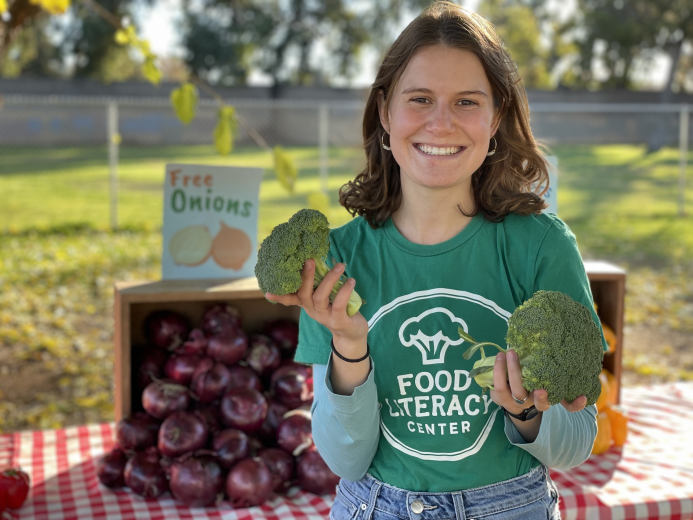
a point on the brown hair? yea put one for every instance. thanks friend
(511, 181)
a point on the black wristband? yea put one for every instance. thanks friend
(368, 353)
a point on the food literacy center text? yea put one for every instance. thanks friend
(180, 200)
(437, 405)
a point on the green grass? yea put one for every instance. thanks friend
(620, 201)
(47, 188)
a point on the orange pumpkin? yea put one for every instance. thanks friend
(610, 337)
(604, 395)
(619, 424)
(603, 440)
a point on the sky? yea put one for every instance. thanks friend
(162, 29)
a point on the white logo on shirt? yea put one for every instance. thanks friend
(433, 347)
(413, 420)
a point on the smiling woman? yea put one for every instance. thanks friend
(447, 88)
(450, 236)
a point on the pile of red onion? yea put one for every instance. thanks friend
(224, 415)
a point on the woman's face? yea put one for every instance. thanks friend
(441, 118)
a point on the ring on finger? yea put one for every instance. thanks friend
(321, 309)
(519, 401)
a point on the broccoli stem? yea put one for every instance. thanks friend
(321, 270)
(483, 368)
(471, 350)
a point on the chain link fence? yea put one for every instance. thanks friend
(126, 141)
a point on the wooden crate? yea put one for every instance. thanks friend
(608, 284)
(135, 300)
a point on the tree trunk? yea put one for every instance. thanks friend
(22, 12)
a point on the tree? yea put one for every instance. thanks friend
(89, 40)
(288, 41)
(31, 53)
(614, 35)
(225, 41)
(520, 30)
(81, 45)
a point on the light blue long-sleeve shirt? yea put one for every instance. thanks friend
(346, 429)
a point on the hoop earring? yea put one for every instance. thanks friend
(494, 148)
(382, 141)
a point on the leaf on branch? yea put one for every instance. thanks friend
(150, 71)
(320, 201)
(285, 169)
(225, 130)
(145, 49)
(184, 101)
(126, 36)
(52, 6)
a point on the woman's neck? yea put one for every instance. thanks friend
(433, 221)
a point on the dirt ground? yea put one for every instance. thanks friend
(656, 355)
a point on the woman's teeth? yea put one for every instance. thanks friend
(432, 150)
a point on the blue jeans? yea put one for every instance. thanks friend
(532, 496)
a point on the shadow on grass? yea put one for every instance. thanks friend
(71, 229)
(20, 160)
(656, 240)
(605, 186)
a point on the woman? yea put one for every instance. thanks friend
(449, 233)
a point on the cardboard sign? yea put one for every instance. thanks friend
(210, 221)
(551, 196)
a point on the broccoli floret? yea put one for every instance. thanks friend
(558, 344)
(283, 253)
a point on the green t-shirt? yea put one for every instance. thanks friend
(438, 432)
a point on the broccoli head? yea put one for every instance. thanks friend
(558, 344)
(282, 255)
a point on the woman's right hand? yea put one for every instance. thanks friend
(316, 303)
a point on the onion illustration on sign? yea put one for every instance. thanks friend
(193, 245)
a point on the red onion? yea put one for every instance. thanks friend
(227, 346)
(166, 330)
(210, 380)
(110, 468)
(180, 367)
(196, 343)
(291, 367)
(180, 433)
(162, 398)
(293, 390)
(294, 433)
(314, 475)
(211, 416)
(220, 317)
(137, 432)
(196, 481)
(147, 362)
(244, 377)
(230, 447)
(244, 409)
(275, 414)
(281, 466)
(144, 474)
(263, 356)
(249, 483)
(285, 334)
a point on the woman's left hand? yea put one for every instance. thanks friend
(507, 369)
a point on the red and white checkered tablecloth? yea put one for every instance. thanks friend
(650, 478)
